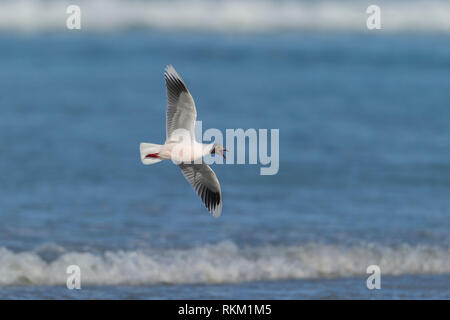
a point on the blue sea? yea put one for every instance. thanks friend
(364, 176)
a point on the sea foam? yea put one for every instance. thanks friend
(224, 262)
(226, 15)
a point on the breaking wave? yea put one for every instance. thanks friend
(225, 15)
(224, 262)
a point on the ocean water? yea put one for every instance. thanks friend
(364, 174)
(226, 15)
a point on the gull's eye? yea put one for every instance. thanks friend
(213, 151)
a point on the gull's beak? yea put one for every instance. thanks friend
(222, 153)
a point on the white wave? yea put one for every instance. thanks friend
(226, 15)
(224, 262)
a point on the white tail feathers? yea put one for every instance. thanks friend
(150, 152)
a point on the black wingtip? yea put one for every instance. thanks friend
(174, 81)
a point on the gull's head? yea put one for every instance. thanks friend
(218, 148)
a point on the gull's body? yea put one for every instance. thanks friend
(181, 147)
(184, 152)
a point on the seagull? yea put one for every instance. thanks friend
(182, 148)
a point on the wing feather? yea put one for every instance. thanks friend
(181, 112)
(205, 183)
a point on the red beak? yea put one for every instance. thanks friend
(223, 155)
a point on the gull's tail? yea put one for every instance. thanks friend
(150, 153)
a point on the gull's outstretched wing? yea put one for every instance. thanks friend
(181, 113)
(205, 183)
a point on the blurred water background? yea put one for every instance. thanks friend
(364, 177)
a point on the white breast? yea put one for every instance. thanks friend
(186, 152)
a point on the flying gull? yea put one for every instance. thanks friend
(181, 146)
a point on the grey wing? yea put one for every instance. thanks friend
(181, 112)
(205, 183)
